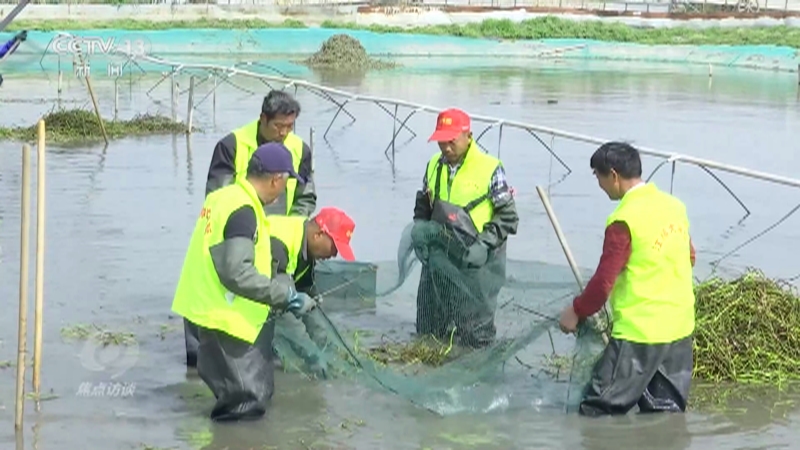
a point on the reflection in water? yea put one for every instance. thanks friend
(189, 172)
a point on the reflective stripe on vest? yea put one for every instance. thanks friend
(200, 296)
(470, 185)
(246, 145)
(290, 230)
(653, 298)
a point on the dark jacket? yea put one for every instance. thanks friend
(222, 168)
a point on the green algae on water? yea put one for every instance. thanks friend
(80, 126)
(98, 334)
(344, 52)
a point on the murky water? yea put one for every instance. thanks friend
(119, 221)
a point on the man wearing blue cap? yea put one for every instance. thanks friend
(227, 288)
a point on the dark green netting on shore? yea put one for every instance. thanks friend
(365, 330)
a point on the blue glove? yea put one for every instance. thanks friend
(476, 255)
(300, 303)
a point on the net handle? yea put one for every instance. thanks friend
(564, 246)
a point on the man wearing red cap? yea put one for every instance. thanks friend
(465, 190)
(297, 243)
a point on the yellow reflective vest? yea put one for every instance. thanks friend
(290, 230)
(652, 301)
(246, 145)
(471, 183)
(200, 296)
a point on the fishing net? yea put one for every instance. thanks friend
(446, 337)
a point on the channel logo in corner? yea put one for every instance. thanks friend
(88, 45)
(96, 55)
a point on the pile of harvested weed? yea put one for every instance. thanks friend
(80, 125)
(344, 52)
(426, 350)
(748, 330)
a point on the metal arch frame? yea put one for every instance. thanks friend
(341, 99)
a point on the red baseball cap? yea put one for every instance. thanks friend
(450, 123)
(339, 226)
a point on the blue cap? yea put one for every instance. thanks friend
(274, 157)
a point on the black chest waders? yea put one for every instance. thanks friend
(453, 299)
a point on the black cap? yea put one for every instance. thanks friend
(274, 157)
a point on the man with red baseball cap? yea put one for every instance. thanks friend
(464, 190)
(297, 243)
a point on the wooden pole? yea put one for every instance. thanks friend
(565, 247)
(24, 240)
(39, 289)
(94, 101)
(311, 147)
(190, 106)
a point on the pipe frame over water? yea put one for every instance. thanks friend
(346, 97)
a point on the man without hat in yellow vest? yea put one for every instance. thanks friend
(232, 155)
(297, 244)
(465, 190)
(228, 290)
(645, 272)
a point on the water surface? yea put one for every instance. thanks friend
(119, 220)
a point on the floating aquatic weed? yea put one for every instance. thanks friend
(79, 125)
(344, 52)
(426, 350)
(98, 334)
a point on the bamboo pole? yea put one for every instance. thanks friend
(94, 101)
(39, 289)
(25, 217)
(190, 106)
(565, 247)
(311, 147)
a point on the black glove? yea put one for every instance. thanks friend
(21, 36)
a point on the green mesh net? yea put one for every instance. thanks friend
(446, 337)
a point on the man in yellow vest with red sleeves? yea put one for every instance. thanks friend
(232, 154)
(228, 290)
(465, 192)
(645, 272)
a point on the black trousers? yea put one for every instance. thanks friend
(656, 377)
(241, 375)
(192, 339)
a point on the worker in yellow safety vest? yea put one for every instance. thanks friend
(466, 191)
(232, 154)
(297, 244)
(279, 111)
(227, 288)
(645, 273)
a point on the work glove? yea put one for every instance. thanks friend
(300, 303)
(22, 36)
(476, 255)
